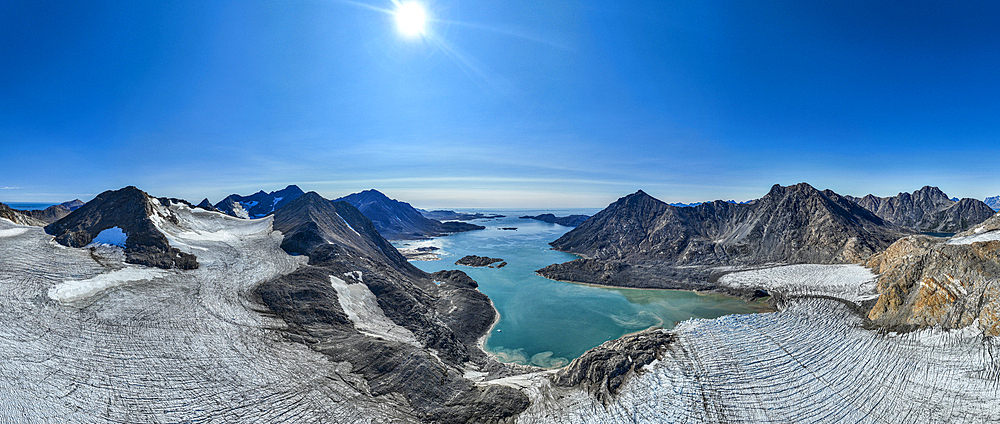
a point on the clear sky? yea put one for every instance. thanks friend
(498, 103)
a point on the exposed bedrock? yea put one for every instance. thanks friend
(19, 217)
(133, 211)
(436, 390)
(604, 369)
(925, 282)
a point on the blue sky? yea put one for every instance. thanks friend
(501, 103)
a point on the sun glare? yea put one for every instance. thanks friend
(411, 19)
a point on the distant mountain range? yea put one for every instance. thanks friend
(441, 215)
(642, 241)
(927, 210)
(398, 220)
(993, 202)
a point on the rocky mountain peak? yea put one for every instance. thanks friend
(259, 204)
(928, 210)
(395, 219)
(130, 210)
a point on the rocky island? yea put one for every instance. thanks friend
(568, 221)
(481, 261)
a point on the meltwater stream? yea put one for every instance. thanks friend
(548, 323)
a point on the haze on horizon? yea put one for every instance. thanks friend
(492, 103)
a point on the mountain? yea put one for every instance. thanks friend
(55, 212)
(993, 202)
(18, 217)
(258, 205)
(568, 221)
(397, 220)
(642, 241)
(207, 205)
(927, 210)
(131, 211)
(443, 311)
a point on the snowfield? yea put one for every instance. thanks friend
(193, 346)
(74, 290)
(85, 338)
(849, 282)
(811, 363)
(979, 236)
(361, 307)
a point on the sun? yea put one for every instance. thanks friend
(411, 19)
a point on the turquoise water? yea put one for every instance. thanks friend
(28, 206)
(549, 323)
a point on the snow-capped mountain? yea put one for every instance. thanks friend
(993, 202)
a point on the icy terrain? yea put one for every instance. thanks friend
(810, 363)
(849, 282)
(187, 345)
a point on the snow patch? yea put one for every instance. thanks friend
(348, 225)
(978, 237)
(113, 236)
(11, 232)
(361, 307)
(73, 290)
(355, 274)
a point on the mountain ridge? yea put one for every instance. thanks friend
(927, 210)
(259, 204)
(397, 220)
(640, 240)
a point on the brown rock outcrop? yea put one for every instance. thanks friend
(924, 282)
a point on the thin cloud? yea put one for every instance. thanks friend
(10, 188)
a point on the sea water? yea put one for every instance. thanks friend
(548, 323)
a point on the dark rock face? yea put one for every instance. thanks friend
(307, 303)
(927, 210)
(603, 369)
(206, 205)
(473, 260)
(397, 220)
(19, 217)
(456, 216)
(258, 205)
(567, 221)
(129, 209)
(795, 224)
(449, 318)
